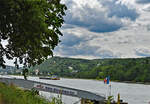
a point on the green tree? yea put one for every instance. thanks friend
(31, 28)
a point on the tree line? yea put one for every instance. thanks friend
(132, 69)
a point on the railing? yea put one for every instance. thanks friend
(28, 84)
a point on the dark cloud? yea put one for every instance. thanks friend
(67, 26)
(143, 1)
(97, 20)
(93, 20)
(73, 45)
(84, 50)
(119, 10)
(69, 40)
(148, 27)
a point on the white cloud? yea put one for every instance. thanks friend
(146, 8)
(119, 44)
(144, 51)
(99, 15)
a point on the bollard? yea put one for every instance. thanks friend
(87, 101)
(118, 102)
(82, 101)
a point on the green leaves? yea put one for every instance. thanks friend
(13, 95)
(31, 28)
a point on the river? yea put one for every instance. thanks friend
(131, 93)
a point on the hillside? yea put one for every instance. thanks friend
(65, 66)
(131, 69)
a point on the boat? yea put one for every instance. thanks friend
(53, 77)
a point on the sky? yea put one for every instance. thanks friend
(105, 29)
(96, 29)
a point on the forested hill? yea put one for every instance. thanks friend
(66, 66)
(132, 69)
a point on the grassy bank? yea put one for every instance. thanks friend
(13, 95)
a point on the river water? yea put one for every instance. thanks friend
(131, 93)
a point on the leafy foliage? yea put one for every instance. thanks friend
(110, 99)
(14, 95)
(31, 28)
(137, 70)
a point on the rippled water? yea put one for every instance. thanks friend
(131, 93)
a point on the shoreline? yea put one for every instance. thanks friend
(132, 82)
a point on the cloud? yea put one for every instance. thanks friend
(106, 54)
(105, 29)
(72, 45)
(143, 52)
(83, 43)
(119, 10)
(148, 27)
(84, 50)
(70, 40)
(77, 50)
(147, 8)
(143, 1)
(98, 15)
(124, 43)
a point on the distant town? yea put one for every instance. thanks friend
(10, 70)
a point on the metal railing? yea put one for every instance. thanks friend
(28, 84)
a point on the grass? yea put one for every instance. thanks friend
(14, 95)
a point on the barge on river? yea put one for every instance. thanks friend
(54, 77)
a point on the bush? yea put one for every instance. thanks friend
(13, 95)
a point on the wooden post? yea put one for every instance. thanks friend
(118, 102)
(82, 101)
(87, 101)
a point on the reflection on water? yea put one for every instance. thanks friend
(131, 93)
